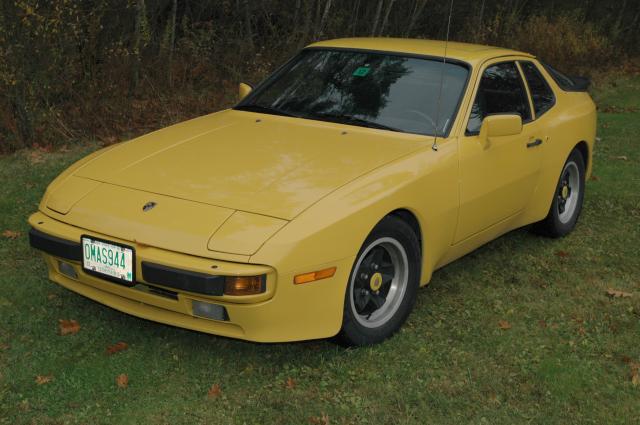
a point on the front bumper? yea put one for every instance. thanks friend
(284, 312)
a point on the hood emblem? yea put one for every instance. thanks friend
(148, 206)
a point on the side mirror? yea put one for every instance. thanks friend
(243, 90)
(499, 126)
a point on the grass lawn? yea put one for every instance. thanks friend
(567, 357)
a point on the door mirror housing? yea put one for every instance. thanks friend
(243, 90)
(499, 126)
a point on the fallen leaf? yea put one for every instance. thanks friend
(214, 391)
(52, 296)
(11, 234)
(504, 325)
(319, 420)
(594, 178)
(635, 376)
(290, 384)
(582, 331)
(36, 157)
(542, 324)
(117, 347)
(122, 381)
(614, 293)
(43, 379)
(621, 157)
(562, 254)
(626, 359)
(68, 327)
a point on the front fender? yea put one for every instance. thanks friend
(424, 183)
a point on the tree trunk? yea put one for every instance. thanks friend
(306, 26)
(417, 13)
(323, 20)
(354, 17)
(248, 30)
(386, 17)
(376, 19)
(295, 28)
(172, 39)
(137, 46)
(22, 118)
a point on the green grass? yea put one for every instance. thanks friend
(562, 361)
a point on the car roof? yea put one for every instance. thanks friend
(471, 53)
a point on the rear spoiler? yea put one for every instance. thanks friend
(566, 83)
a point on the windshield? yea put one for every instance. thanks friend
(367, 89)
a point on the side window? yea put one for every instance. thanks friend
(541, 93)
(501, 91)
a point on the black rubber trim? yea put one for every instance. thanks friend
(184, 280)
(55, 246)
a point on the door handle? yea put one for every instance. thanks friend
(534, 143)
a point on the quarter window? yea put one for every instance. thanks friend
(501, 91)
(541, 93)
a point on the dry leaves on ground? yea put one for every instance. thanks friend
(562, 254)
(290, 384)
(635, 370)
(11, 234)
(117, 347)
(214, 391)
(43, 379)
(614, 293)
(122, 381)
(319, 420)
(621, 157)
(504, 325)
(68, 327)
(36, 157)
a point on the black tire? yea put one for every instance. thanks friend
(558, 221)
(381, 254)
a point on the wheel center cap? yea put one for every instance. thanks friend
(565, 192)
(375, 282)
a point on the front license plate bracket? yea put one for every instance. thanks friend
(108, 260)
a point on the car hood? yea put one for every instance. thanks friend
(262, 164)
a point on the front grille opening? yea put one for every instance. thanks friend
(165, 293)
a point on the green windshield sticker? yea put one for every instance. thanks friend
(361, 72)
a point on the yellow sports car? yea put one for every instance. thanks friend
(321, 202)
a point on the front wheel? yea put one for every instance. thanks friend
(382, 285)
(567, 201)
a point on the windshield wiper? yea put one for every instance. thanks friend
(264, 109)
(347, 119)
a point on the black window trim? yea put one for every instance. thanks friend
(577, 84)
(279, 71)
(546, 82)
(522, 85)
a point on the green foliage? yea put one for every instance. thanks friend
(106, 69)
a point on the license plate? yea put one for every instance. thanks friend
(108, 260)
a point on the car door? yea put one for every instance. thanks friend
(497, 178)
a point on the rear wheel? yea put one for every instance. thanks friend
(383, 284)
(567, 201)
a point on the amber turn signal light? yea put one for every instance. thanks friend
(244, 285)
(313, 276)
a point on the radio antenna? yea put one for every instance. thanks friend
(444, 63)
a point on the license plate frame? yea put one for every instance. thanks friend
(106, 276)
